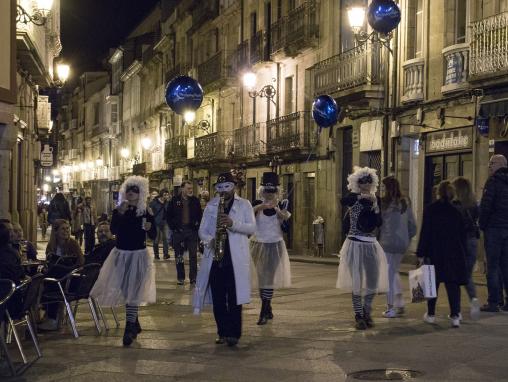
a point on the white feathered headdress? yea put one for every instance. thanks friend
(362, 172)
(142, 184)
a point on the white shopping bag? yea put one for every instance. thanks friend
(422, 283)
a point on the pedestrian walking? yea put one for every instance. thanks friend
(184, 217)
(267, 246)
(77, 220)
(43, 221)
(442, 243)
(363, 270)
(224, 274)
(494, 224)
(89, 221)
(59, 209)
(465, 202)
(159, 208)
(395, 235)
(128, 274)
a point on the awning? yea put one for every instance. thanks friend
(494, 108)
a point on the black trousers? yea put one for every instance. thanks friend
(89, 237)
(228, 315)
(186, 239)
(453, 291)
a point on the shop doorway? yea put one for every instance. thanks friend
(441, 167)
(251, 189)
(347, 163)
(288, 187)
(309, 213)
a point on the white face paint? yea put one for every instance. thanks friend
(224, 187)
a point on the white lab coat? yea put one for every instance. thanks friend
(244, 224)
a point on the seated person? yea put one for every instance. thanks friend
(26, 249)
(106, 243)
(10, 265)
(63, 254)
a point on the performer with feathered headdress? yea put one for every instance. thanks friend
(363, 270)
(128, 275)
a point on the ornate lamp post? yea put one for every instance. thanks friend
(39, 17)
(267, 91)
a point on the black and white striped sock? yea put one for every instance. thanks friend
(131, 313)
(368, 303)
(357, 305)
(266, 294)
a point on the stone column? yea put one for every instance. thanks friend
(7, 142)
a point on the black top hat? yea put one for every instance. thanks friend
(270, 179)
(225, 177)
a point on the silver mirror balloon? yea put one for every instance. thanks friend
(184, 93)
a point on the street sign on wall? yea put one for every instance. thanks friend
(47, 156)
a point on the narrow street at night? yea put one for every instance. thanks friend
(311, 338)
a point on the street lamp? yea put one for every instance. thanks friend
(125, 152)
(99, 162)
(40, 16)
(267, 91)
(147, 143)
(62, 75)
(189, 116)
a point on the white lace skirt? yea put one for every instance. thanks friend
(127, 277)
(271, 262)
(363, 269)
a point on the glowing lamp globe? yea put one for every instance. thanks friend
(184, 93)
(383, 16)
(325, 111)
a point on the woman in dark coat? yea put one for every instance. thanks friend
(442, 244)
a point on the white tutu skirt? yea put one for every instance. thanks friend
(363, 269)
(127, 277)
(271, 262)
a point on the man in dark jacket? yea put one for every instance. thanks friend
(494, 223)
(106, 244)
(159, 210)
(184, 217)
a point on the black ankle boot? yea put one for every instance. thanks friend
(269, 313)
(263, 319)
(360, 322)
(130, 333)
(368, 319)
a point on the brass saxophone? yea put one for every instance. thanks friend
(221, 233)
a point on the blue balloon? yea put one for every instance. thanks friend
(383, 15)
(184, 93)
(325, 111)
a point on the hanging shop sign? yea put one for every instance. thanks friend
(449, 140)
(482, 125)
(47, 156)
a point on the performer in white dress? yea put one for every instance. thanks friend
(267, 247)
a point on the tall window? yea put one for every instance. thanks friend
(419, 28)
(460, 21)
(288, 96)
(415, 28)
(253, 24)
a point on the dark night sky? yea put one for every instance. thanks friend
(90, 27)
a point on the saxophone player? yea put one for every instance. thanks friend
(224, 279)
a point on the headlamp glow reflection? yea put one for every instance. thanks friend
(224, 187)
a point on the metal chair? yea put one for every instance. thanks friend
(29, 294)
(7, 289)
(75, 286)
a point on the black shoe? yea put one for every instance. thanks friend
(157, 257)
(504, 308)
(166, 257)
(231, 341)
(193, 282)
(360, 323)
(263, 319)
(180, 282)
(130, 333)
(368, 319)
(220, 340)
(138, 327)
(489, 308)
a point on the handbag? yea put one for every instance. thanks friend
(422, 283)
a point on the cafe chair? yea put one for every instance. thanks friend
(7, 289)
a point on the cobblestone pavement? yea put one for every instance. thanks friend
(311, 338)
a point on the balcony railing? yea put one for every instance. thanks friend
(295, 131)
(214, 69)
(414, 80)
(175, 149)
(296, 31)
(257, 52)
(362, 65)
(249, 140)
(456, 67)
(240, 57)
(489, 45)
(100, 129)
(204, 10)
(213, 146)
(177, 70)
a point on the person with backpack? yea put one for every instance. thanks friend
(267, 246)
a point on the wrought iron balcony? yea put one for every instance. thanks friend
(249, 141)
(296, 31)
(257, 48)
(175, 149)
(100, 129)
(489, 46)
(215, 146)
(296, 131)
(214, 70)
(202, 11)
(240, 57)
(414, 80)
(361, 66)
(456, 67)
(177, 70)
